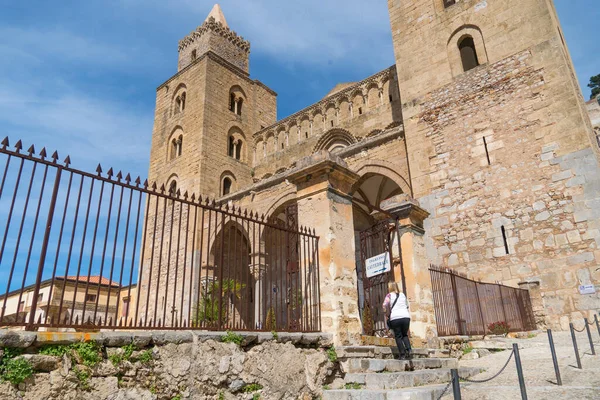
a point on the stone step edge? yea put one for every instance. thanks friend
(344, 352)
(352, 365)
(463, 371)
(382, 394)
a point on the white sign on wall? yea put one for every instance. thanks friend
(378, 265)
(587, 289)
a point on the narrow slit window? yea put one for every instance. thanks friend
(448, 3)
(468, 54)
(359, 110)
(226, 186)
(487, 153)
(332, 123)
(306, 134)
(504, 238)
(194, 56)
(391, 98)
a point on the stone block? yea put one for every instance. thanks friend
(42, 363)
(16, 339)
(543, 216)
(175, 337)
(560, 176)
(117, 339)
(581, 258)
(203, 336)
(573, 237)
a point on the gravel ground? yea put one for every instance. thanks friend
(538, 370)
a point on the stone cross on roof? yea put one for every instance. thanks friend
(218, 15)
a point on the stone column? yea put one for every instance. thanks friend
(324, 203)
(413, 263)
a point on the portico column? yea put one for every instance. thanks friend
(413, 263)
(324, 204)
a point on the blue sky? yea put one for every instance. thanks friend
(80, 76)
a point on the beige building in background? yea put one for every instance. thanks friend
(478, 138)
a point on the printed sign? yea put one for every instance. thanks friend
(378, 265)
(587, 289)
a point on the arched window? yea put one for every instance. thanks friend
(468, 54)
(194, 55)
(239, 106)
(237, 97)
(179, 103)
(173, 188)
(448, 3)
(226, 186)
(176, 147)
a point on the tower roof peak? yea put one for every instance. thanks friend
(218, 15)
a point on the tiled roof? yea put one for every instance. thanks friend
(92, 279)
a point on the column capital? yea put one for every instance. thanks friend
(409, 212)
(323, 171)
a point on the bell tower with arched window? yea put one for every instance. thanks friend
(206, 112)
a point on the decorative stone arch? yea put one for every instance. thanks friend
(373, 96)
(179, 99)
(343, 106)
(175, 143)
(392, 125)
(227, 183)
(280, 139)
(304, 127)
(330, 115)
(270, 143)
(358, 103)
(462, 33)
(374, 132)
(237, 97)
(293, 135)
(384, 168)
(288, 196)
(334, 140)
(316, 121)
(236, 144)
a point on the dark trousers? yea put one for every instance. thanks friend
(400, 327)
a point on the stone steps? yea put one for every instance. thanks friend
(372, 365)
(384, 352)
(407, 379)
(420, 393)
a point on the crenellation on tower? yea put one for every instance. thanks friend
(216, 36)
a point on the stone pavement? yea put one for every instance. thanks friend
(539, 371)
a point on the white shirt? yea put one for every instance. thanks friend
(400, 310)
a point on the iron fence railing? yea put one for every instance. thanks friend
(106, 251)
(467, 307)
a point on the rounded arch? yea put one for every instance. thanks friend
(236, 144)
(179, 99)
(476, 47)
(286, 197)
(384, 168)
(175, 143)
(172, 185)
(228, 183)
(334, 139)
(236, 98)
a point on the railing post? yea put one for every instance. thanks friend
(402, 276)
(554, 359)
(455, 384)
(597, 323)
(520, 371)
(575, 345)
(44, 250)
(456, 304)
(589, 333)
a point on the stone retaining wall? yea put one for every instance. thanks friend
(169, 365)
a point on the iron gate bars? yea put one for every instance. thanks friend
(96, 251)
(467, 307)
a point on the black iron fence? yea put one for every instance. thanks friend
(107, 251)
(467, 307)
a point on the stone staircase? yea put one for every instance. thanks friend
(372, 373)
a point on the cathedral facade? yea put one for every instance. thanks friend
(478, 140)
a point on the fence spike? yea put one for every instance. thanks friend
(39, 319)
(193, 198)
(128, 178)
(199, 199)
(5, 143)
(67, 161)
(245, 213)
(178, 193)
(76, 319)
(110, 322)
(99, 170)
(137, 182)
(18, 146)
(162, 188)
(31, 150)
(185, 195)
(43, 153)
(110, 173)
(154, 186)
(119, 176)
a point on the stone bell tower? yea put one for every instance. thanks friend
(501, 150)
(206, 113)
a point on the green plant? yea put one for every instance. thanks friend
(232, 337)
(210, 307)
(221, 396)
(326, 387)
(252, 387)
(89, 352)
(16, 370)
(353, 385)
(124, 355)
(531, 336)
(499, 328)
(256, 396)
(83, 377)
(57, 350)
(275, 335)
(177, 397)
(331, 354)
(467, 349)
(271, 322)
(153, 389)
(145, 356)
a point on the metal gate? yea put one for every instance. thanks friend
(372, 291)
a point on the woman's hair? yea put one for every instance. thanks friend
(393, 287)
